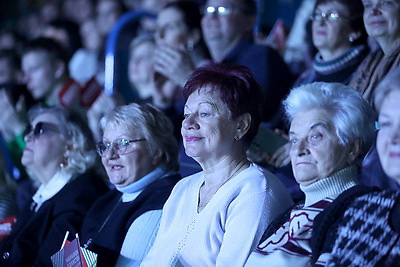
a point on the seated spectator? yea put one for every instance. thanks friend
(331, 128)
(59, 156)
(140, 155)
(382, 22)
(180, 49)
(367, 231)
(44, 64)
(339, 35)
(217, 216)
(227, 28)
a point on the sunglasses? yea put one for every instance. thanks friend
(40, 129)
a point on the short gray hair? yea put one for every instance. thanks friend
(352, 117)
(74, 129)
(155, 126)
(389, 83)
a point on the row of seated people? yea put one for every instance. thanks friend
(377, 63)
(233, 206)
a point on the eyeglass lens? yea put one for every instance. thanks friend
(40, 129)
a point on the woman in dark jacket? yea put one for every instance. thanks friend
(59, 155)
(140, 155)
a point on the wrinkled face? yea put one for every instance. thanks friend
(208, 133)
(382, 19)
(39, 73)
(228, 28)
(140, 66)
(331, 34)
(388, 139)
(171, 28)
(137, 161)
(315, 152)
(45, 147)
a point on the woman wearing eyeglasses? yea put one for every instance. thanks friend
(340, 38)
(59, 156)
(140, 155)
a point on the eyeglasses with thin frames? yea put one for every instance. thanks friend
(331, 16)
(120, 146)
(219, 10)
(41, 129)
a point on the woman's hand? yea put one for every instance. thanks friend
(281, 157)
(175, 64)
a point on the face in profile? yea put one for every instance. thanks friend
(39, 73)
(388, 139)
(315, 150)
(45, 146)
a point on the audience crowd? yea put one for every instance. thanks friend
(188, 169)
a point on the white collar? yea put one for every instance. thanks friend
(47, 191)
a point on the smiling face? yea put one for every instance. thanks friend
(315, 152)
(332, 35)
(382, 19)
(208, 133)
(136, 162)
(388, 139)
(43, 154)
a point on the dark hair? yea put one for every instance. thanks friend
(237, 88)
(12, 58)
(191, 13)
(72, 30)
(50, 46)
(356, 10)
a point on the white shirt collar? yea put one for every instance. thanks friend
(47, 191)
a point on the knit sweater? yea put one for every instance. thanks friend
(337, 70)
(227, 229)
(365, 235)
(289, 244)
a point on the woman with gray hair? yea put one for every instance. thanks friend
(59, 156)
(140, 155)
(367, 230)
(331, 128)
